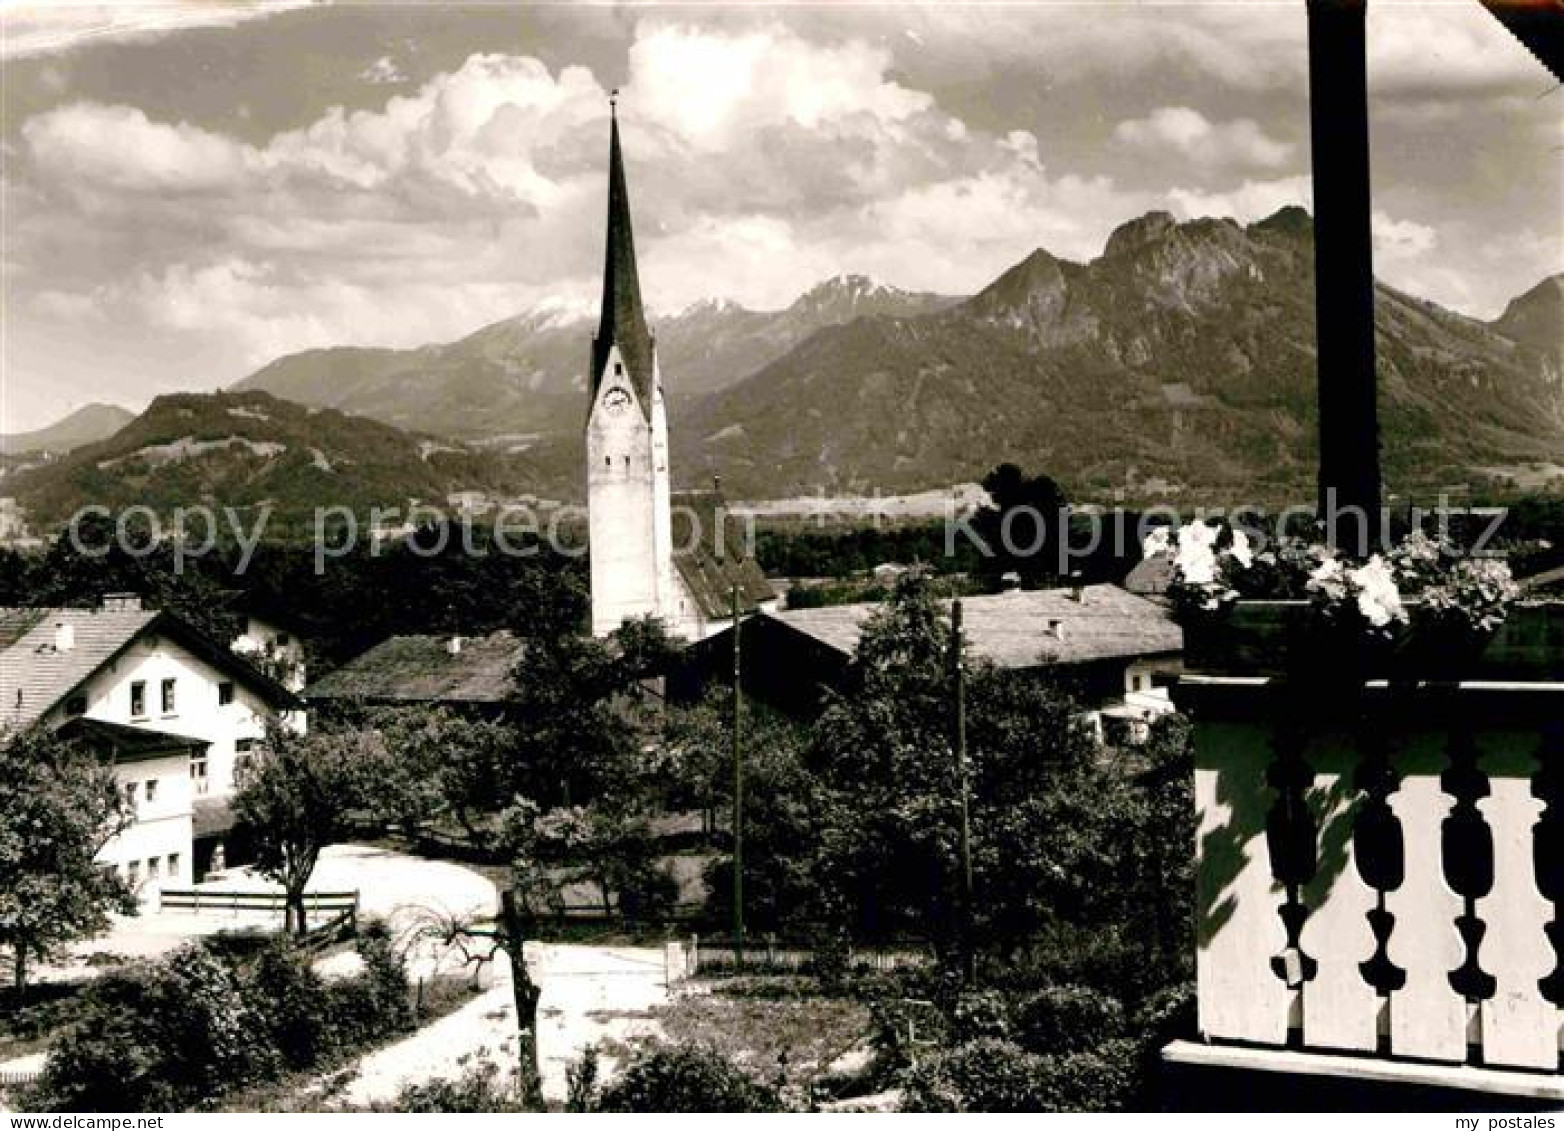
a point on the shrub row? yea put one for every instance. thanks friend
(185, 1031)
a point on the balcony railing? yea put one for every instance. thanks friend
(1381, 866)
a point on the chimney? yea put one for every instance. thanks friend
(64, 637)
(1056, 629)
(454, 645)
(122, 602)
(1078, 594)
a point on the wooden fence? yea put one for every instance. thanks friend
(339, 908)
(15, 1079)
(766, 953)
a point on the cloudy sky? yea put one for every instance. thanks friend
(192, 191)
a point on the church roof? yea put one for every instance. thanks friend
(623, 319)
(708, 552)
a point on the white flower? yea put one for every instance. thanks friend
(1240, 550)
(1198, 533)
(1378, 598)
(1326, 572)
(1196, 563)
(1156, 542)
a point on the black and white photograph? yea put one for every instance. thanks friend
(782, 557)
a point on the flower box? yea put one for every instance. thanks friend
(1284, 638)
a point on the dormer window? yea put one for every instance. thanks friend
(619, 370)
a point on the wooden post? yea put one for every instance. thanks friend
(959, 743)
(1343, 270)
(738, 791)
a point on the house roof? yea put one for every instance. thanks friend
(422, 669)
(1016, 629)
(122, 743)
(623, 320)
(1151, 576)
(709, 555)
(35, 675)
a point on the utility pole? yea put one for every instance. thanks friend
(959, 741)
(738, 789)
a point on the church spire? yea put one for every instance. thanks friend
(623, 320)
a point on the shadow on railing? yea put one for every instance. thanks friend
(1381, 867)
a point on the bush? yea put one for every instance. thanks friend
(286, 994)
(159, 1038)
(1067, 1019)
(1102, 1079)
(984, 1075)
(477, 1089)
(686, 1079)
(981, 1013)
(991, 1076)
(385, 975)
(648, 894)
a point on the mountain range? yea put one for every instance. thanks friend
(1179, 361)
(525, 377)
(1178, 364)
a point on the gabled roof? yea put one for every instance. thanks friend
(120, 743)
(710, 558)
(422, 669)
(623, 320)
(1024, 628)
(35, 675)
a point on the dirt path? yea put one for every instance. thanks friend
(592, 994)
(589, 995)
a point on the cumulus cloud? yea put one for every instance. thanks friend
(1179, 130)
(755, 147)
(763, 156)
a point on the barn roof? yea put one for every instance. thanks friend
(35, 674)
(1025, 628)
(708, 552)
(423, 669)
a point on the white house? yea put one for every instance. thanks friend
(175, 712)
(271, 646)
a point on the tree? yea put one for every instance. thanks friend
(1025, 524)
(890, 820)
(442, 767)
(58, 809)
(583, 719)
(292, 798)
(612, 848)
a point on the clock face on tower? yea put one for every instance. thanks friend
(616, 400)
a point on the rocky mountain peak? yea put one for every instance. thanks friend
(1135, 234)
(1536, 318)
(1290, 220)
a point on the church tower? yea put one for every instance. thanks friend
(628, 504)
